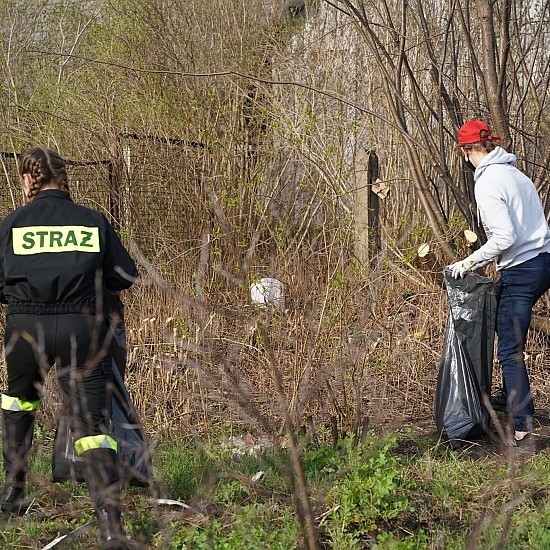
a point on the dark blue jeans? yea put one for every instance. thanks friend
(521, 286)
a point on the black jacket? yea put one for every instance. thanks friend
(54, 252)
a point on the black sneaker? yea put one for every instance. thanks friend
(499, 401)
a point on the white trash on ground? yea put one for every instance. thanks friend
(267, 291)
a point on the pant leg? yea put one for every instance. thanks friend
(85, 374)
(521, 287)
(86, 379)
(84, 370)
(27, 359)
(27, 364)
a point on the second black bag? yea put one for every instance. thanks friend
(465, 370)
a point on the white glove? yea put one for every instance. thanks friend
(459, 269)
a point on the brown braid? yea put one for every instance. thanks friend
(45, 167)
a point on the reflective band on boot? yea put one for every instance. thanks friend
(10, 403)
(100, 441)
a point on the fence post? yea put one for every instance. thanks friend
(367, 206)
(119, 183)
(114, 203)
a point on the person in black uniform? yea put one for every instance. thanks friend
(57, 261)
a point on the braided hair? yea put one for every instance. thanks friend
(45, 167)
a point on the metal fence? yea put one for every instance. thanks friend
(150, 190)
(90, 184)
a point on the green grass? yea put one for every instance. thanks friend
(392, 492)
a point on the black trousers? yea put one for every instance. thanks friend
(77, 345)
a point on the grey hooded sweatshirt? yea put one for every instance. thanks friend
(511, 212)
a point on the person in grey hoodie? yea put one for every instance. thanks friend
(518, 242)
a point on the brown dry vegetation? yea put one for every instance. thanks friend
(370, 349)
(236, 139)
(282, 108)
(352, 348)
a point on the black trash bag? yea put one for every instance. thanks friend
(466, 367)
(133, 455)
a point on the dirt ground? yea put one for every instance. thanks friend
(490, 445)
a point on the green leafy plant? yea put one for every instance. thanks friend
(371, 489)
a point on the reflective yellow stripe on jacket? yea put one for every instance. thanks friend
(10, 403)
(94, 442)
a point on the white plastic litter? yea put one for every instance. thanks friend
(267, 291)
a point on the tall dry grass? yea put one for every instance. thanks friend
(353, 341)
(353, 344)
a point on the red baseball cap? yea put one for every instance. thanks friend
(475, 131)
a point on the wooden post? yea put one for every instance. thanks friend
(119, 183)
(367, 206)
(114, 202)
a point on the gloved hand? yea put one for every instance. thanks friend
(459, 269)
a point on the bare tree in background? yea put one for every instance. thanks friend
(440, 63)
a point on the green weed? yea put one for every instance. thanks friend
(371, 487)
(183, 468)
(390, 492)
(252, 527)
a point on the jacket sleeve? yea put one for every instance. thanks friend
(119, 269)
(495, 215)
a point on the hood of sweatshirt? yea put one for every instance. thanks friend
(497, 156)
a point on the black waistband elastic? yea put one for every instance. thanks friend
(33, 308)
